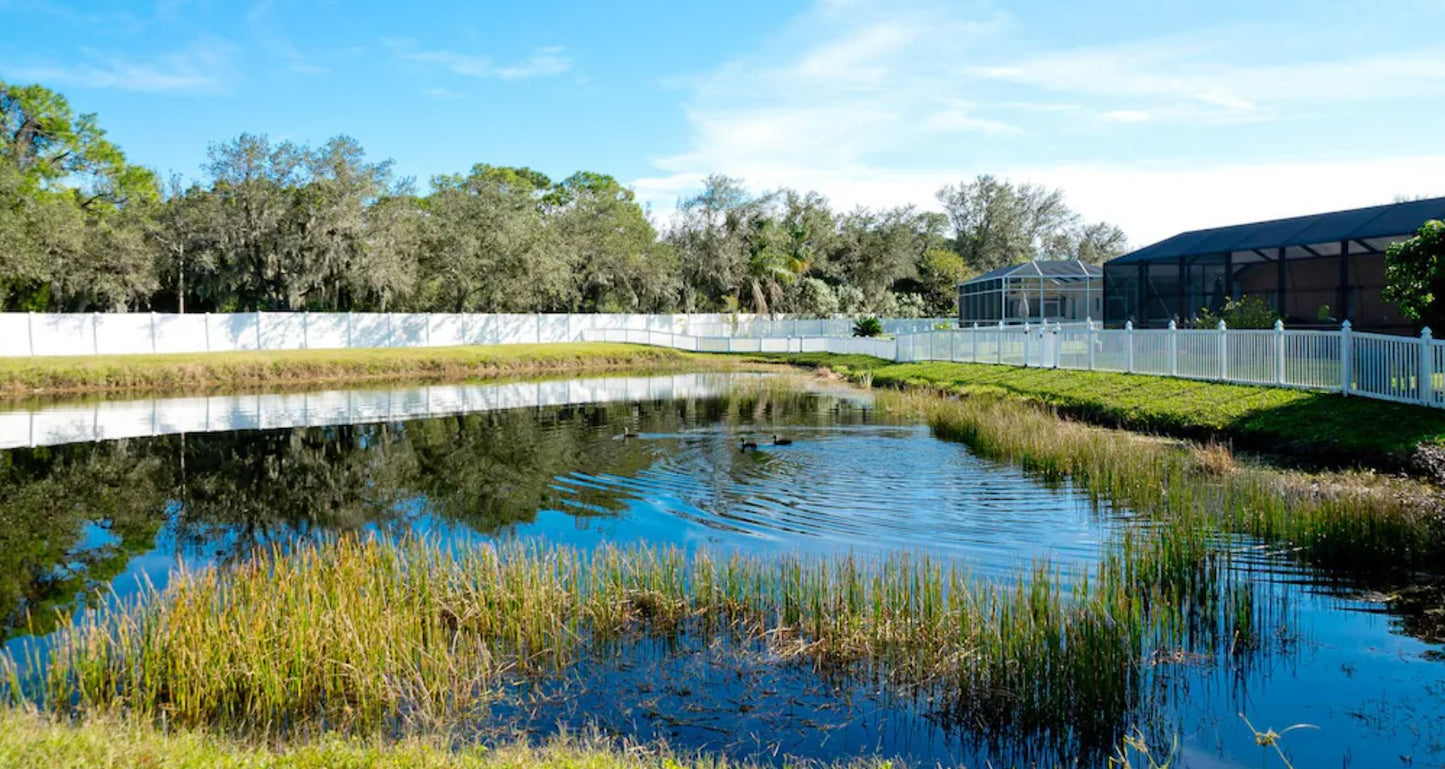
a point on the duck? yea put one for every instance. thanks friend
(782, 441)
(627, 435)
(746, 445)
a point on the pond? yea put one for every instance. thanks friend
(85, 514)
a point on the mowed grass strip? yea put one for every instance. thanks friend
(31, 739)
(1352, 430)
(23, 376)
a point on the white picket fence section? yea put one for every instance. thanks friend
(1394, 368)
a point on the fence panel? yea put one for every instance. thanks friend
(180, 333)
(1073, 347)
(1198, 354)
(1312, 359)
(1251, 357)
(1385, 367)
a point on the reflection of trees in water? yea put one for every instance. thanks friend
(73, 516)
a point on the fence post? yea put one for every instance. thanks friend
(95, 331)
(1089, 338)
(974, 334)
(1173, 348)
(154, 349)
(1129, 339)
(1347, 353)
(305, 330)
(1223, 352)
(30, 330)
(348, 329)
(1027, 330)
(1427, 367)
(208, 331)
(1278, 351)
(258, 330)
(998, 343)
(1054, 345)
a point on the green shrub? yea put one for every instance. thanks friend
(868, 327)
(1415, 275)
(1244, 312)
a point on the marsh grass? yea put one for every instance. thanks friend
(1353, 521)
(366, 635)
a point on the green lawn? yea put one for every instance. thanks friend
(1314, 424)
(31, 740)
(23, 376)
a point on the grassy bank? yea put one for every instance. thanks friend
(1309, 424)
(31, 739)
(26, 376)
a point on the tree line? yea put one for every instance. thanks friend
(277, 225)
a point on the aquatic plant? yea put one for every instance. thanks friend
(1356, 521)
(372, 635)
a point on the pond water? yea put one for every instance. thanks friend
(203, 480)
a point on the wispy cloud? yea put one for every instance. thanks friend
(1191, 77)
(270, 36)
(206, 66)
(879, 104)
(546, 61)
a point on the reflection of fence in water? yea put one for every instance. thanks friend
(109, 420)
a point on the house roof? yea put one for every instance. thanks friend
(1393, 220)
(1062, 270)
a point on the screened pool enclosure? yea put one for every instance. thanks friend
(1033, 292)
(1313, 271)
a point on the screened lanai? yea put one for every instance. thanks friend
(1033, 292)
(1314, 270)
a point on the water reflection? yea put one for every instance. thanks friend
(545, 461)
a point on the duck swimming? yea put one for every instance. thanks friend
(747, 445)
(782, 441)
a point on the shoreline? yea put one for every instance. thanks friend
(22, 379)
(1290, 424)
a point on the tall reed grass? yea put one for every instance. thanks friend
(370, 635)
(1334, 520)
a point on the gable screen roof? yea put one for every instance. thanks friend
(1037, 269)
(1391, 220)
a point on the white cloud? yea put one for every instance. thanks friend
(546, 61)
(880, 105)
(1149, 202)
(1189, 71)
(204, 66)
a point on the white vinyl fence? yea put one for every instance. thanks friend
(1395, 368)
(37, 334)
(1405, 369)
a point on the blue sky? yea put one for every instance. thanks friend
(1157, 116)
